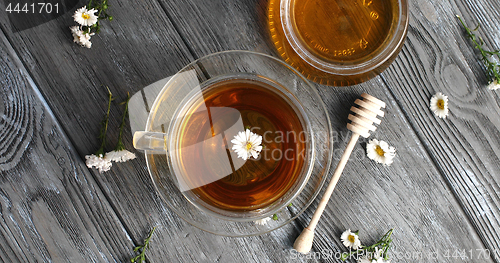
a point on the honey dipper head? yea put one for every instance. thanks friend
(364, 115)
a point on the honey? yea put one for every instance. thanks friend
(338, 42)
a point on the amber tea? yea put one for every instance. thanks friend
(209, 166)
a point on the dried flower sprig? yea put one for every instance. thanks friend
(487, 56)
(98, 159)
(88, 21)
(142, 256)
(120, 154)
(378, 251)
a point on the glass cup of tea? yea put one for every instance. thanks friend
(213, 110)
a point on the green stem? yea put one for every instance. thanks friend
(104, 126)
(142, 256)
(99, 15)
(492, 69)
(384, 242)
(119, 145)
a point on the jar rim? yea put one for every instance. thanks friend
(384, 52)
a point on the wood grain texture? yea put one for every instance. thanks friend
(221, 25)
(51, 209)
(411, 195)
(139, 47)
(148, 41)
(465, 147)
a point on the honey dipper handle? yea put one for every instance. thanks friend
(303, 243)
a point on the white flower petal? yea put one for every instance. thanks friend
(256, 139)
(85, 17)
(81, 38)
(75, 29)
(247, 144)
(440, 111)
(346, 237)
(99, 162)
(248, 133)
(494, 85)
(258, 148)
(243, 155)
(375, 148)
(120, 156)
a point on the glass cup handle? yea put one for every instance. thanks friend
(153, 142)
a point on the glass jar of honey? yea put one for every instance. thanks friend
(338, 42)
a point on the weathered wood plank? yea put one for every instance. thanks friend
(139, 47)
(50, 207)
(221, 25)
(465, 146)
(412, 191)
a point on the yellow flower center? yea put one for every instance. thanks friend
(379, 150)
(248, 146)
(440, 104)
(85, 16)
(351, 238)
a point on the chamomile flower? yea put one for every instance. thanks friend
(76, 30)
(88, 19)
(120, 156)
(350, 239)
(487, 56)
(80, 37)
(85, 17)
(247, 144)
(99, 162)
(380, 152)
(439, 105)
(376, 253)
(262, 221)
(494, 85)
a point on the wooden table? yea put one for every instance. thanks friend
(441, 194)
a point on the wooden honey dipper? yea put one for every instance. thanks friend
(362, 118)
